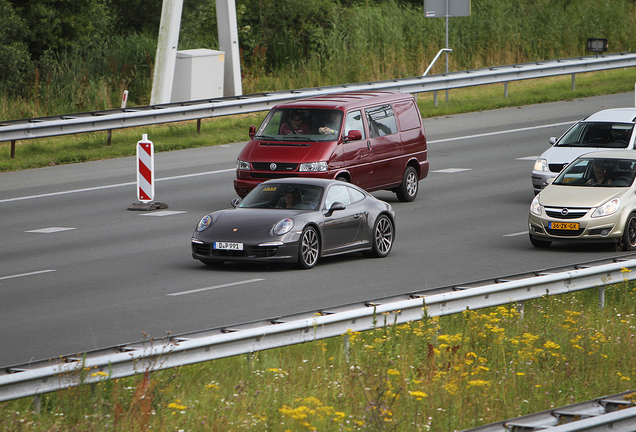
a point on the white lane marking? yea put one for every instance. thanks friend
(215, 287)
(163, 213)
(452, 170)
(530, 158)
(516, 234)
(500, 132)
(25, 274)
(112, 186)
(50, 230)
(233, 169)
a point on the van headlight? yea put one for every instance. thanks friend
(313, 166)
(535, 207)
(541, 165)
(242, 165)
(609, 208)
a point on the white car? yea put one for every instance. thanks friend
(610, 129)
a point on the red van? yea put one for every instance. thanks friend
(373, 139)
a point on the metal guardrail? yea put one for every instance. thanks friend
(616, 413)
(45, 376)
(194, 110)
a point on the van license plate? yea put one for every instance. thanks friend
(573, 226)
(228, 246)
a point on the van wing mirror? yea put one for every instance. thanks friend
(252, 132)
(353, 135)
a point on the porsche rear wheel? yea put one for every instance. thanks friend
(308, 248)
(383, 234)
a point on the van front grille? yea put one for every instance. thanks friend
(267, 166)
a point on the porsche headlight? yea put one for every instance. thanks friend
(313, 166)
(204, 223)
(283, 227)
(535, 207)
(242, 165)
(609, 208)
(541, 165)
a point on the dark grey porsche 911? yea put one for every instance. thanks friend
(295, 220)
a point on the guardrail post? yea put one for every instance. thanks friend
(199, 126)
(346, 346)
(12, 149)
(601, 297)
(573, 82)
(521, 310)
(506, 89)
(109, 135)
(435, 98)
(37, 402)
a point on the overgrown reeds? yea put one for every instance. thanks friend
(438, 374)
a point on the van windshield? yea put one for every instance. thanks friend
(284, 124)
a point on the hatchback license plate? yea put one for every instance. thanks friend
(228, 246)
(572, 226)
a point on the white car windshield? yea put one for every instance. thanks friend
(598, 172)
(597, 134)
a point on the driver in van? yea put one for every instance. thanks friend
(295, 125)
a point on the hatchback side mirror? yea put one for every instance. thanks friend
(334, 207)
(252, 132)
(353, 135)
(552, 140)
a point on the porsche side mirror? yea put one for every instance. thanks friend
(252, 132)
(353, 135)
(334, 207)
(235, 202)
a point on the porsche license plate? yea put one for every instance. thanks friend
(572, 226)
(228, 245)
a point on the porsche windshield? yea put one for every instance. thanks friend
(283, 196)
(286, 124)
(599, 134)
(597, 172)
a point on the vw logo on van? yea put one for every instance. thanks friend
(272, 166)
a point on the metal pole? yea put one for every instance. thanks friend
(447, 13)
(573, 82)
(12, 149)
(506, 89)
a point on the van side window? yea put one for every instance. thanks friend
(354, 122)
(381, 121)
(407, 115)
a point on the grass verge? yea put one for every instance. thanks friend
(439, 374)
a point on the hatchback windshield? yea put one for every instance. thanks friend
(301, 125)
(599, 134)
(598, 172)
(281, 196)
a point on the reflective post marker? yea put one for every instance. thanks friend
(145, 170)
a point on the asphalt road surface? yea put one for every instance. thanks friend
(78, 271)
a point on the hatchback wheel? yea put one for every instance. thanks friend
(407, 191)
(383, 235)
(308, 248)
(629, 233)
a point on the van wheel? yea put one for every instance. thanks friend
(407, 191)
(342, 179)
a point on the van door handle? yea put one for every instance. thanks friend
(369, 145)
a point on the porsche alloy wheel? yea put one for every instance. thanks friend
(308, 248)
(383, 235)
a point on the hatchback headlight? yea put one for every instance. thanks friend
(242, 165)
(535, 207)
(204, 223)
(313, 166)
(541, 165)
(283, 227)
(609, 208)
